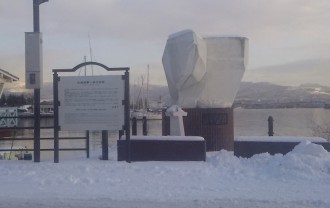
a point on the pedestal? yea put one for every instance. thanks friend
(215, 125)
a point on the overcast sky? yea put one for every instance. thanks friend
(288, 39)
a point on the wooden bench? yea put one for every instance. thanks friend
(163, 148)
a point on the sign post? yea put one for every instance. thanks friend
(98, 103)
(34, 72)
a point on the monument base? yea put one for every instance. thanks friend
(215, 125)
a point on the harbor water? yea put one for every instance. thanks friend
(247, 122)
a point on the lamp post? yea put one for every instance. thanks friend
(36, 28)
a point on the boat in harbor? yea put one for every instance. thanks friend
(7, 113)
(142, 105)
(8, 119)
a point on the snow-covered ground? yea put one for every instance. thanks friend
(299, 179)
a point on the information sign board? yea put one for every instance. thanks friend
(91, 102)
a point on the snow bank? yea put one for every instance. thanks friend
(298, 179)
(308, 148)
(279, 139)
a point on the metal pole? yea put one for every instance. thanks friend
(134, 126)
(163, 123)
(105, 145)
(121, 133)
(127, 118)
(36, 25)
(144, 126)
(87, 144)
(56, 124)
(36, 28)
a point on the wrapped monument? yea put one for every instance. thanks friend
(203, 76)
(204, 72)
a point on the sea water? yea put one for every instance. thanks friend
(247, 122)
(287, 122)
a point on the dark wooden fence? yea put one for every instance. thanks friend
(13, 138)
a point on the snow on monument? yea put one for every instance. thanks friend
(203, 76)
(204, 72)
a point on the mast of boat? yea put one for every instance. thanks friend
(90, 52)
(85, 65)
(147, 98)
(142, 93)
(140, 96)
(133, 103)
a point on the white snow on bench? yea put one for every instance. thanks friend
(166, 138)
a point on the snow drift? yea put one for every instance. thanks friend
(298, 179)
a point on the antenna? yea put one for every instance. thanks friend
(90, 52)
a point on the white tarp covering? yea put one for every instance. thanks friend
(184, 61)
(204, 72)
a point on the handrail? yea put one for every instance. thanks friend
(47, 149)
(31, 138)
(27, 116)
(86, 137)
(25, 127)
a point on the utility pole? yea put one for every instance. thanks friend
(36, 29)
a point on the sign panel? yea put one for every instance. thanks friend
(91, 103)
(33, 60)
(215, 119)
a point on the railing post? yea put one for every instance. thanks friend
(56, 121)
(165, 123)
(144, 126)
(105, 145)
(121, 133)
(127, 118)
(270, 126)
(87, 144)
(134, 126)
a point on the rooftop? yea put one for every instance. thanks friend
(7, 77)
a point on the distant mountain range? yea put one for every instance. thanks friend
(254, 95)
(263, 94)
